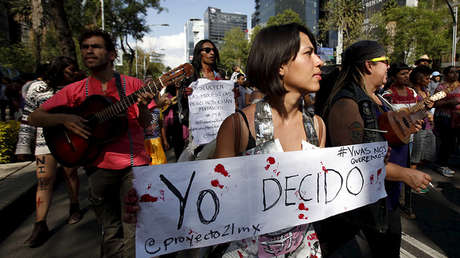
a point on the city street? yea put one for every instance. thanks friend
(434, 232)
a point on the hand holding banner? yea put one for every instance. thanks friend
(210, 103)
(202, 203)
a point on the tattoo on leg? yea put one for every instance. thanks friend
(356, 131)
(39, 201)
(43, 184)
(41, 161)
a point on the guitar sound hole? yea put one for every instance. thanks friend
(406, 123)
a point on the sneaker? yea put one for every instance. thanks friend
(75, 214)
(445, 171)
(40, 234)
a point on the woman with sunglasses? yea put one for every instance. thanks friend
(205, 61)
(351, 116)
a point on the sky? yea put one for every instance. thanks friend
(170, 40)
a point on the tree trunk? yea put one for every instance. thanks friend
(64, 34)
(37, 48)
(37, 28)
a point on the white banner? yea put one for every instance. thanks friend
(202, 203)
(210, 103)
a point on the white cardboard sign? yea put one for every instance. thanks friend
(210, 103)
(202, 203)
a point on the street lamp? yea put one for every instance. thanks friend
(454, 13)
(102, 14)
(149, 25)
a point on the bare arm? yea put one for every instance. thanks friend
(345, 123)
(247, 99)
(74, 123)
(145, 115)
(164, 140)
(321, 131)
(225, 141)
(348, 127)
(416, 179)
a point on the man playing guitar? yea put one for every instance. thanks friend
(110, 175)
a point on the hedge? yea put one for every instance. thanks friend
(8, 139)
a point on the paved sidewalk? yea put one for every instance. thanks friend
(17, 191)
(15, 180)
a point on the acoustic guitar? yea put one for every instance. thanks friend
(400, 124)
(106, 119)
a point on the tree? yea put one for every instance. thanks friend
(37, 28)
(409, 32)
(18, 57)
(63, 31)
(254, 32)
(234, 50)
(287, 16)
(126, 19)
(345, 16)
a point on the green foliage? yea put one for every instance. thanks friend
(234, 50)
(287, 16)
(123, 18)
(409, 32)
(8, 138)
(346, 15)
(49, 49)
(154, 68)
(17, 56)
(254, 33)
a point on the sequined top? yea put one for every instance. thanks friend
(264, 130)
(298, 241)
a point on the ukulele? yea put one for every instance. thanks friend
(107, 121)
(400, 124)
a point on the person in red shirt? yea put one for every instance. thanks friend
(110, 175)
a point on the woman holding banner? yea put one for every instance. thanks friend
(375, 228)
(284, 66)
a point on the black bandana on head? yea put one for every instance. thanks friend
(363, 50)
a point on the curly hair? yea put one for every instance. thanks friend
(55, 74)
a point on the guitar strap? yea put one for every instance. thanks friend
(122, 93)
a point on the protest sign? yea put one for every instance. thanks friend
(202, 203)
(210, 103)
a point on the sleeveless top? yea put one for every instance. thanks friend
(298, 241)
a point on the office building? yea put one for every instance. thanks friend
(373, 6)
(308, 11)
(194, 32)
(217, 23)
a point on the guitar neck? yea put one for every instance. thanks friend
(125, 102)
(421, 105)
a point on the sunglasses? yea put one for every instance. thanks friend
(207, 49)
(383, 59)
